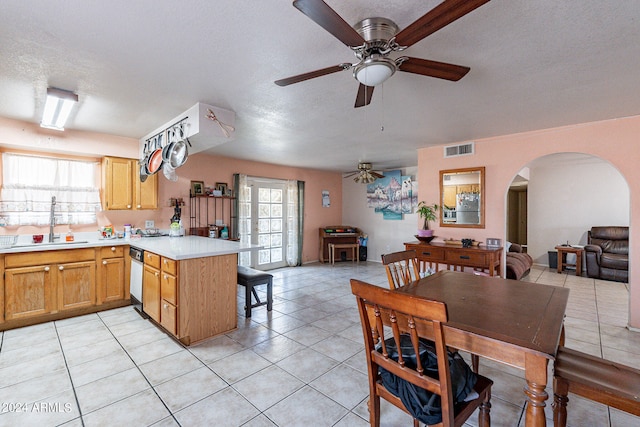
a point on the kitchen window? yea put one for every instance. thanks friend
(29, 182)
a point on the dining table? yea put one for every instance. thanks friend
(516, 323)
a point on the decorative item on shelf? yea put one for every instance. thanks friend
(222, 188)
(455, 242)
(466, 243)
(428, 213)
(425, 239)
(197, 188)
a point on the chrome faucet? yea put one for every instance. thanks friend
(52, 219)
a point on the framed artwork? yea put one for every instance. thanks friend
(222, 187)
(197, 188)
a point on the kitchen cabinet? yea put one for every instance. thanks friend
(193, 299)
(122, 188)
(76, 284)
(151, 286)
(55, 284)
(28, 292)
(113, 277)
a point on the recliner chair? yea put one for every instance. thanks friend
(607, 253)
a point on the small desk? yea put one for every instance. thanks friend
(515, 323)
(562, 258)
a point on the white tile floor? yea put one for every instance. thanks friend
(300, 365)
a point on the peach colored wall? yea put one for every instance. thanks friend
(213, 169)
(615, 141)
(18, 135)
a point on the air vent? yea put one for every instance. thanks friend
(459, 150)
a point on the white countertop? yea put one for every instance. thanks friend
(176, 248)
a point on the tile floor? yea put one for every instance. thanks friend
(300, 365)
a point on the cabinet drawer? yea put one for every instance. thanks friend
(27, 259)
(168, 289)
(152, 259)
(170, 266)
(466, 258)
(168, 316)
(428, 253)
(112, 252)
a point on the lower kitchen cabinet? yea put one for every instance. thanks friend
(51, 285)
(151, 291)
(76, 283)
(28, 292)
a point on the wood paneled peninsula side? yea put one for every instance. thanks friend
(190, 285)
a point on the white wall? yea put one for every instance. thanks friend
(568, 194)
(384, 235)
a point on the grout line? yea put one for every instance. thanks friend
(66, 365)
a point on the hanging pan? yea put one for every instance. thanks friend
(154, 162)
(179, 151)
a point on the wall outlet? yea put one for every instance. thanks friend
(149, 223)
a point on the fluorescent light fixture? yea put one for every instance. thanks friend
(57, 108)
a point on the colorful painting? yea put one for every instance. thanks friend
(392, 195)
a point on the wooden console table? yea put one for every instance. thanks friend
(483, 258)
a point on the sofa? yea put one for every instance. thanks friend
(607, 253)
(518, 263)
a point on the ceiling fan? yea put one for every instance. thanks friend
(365, 174)
(373, 39)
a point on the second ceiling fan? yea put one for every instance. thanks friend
(373, 39)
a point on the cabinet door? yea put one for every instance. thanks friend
(28, 292)
(118, 187)
(146, 193)
(112, 279)
(76, 284)
(151, 292)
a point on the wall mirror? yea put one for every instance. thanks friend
(462, 197)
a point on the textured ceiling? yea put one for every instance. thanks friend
(137, 64)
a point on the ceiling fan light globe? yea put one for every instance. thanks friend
(374, 71)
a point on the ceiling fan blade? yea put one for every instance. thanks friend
(350, 174)
(312, 74)
(437, 18)
(327, 18)
(364, 95)
(441, 70)
(376, 174)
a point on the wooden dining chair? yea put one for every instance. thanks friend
(383, 312)
(402, 268)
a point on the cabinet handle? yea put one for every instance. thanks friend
(465, 257)
(166, 306)
(46, 269)
(426, 253)
(104, 262)
(113, 248)
(165, 277)
(139, 206)
(61, 267)
(156, 273)
(128, 206)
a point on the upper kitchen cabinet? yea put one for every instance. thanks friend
(122, 188)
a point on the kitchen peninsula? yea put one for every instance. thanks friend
(189, 282)
(190, 285)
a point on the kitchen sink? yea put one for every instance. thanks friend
(44, 245)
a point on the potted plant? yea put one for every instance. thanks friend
(428, 213)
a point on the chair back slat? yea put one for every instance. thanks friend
(402, 268)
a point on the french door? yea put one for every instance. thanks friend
(268, 222)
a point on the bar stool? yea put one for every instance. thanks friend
(248, 277)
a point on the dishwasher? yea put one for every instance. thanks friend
(137, 271)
